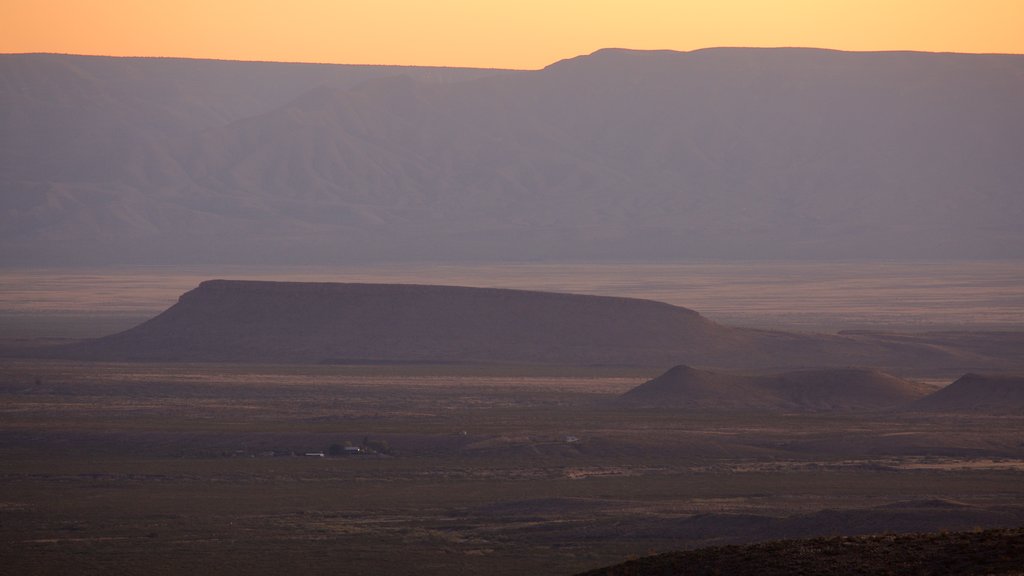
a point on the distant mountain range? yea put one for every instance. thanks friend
(719, 153)
(977, 393)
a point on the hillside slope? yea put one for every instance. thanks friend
(991, 552)
(296, 322)
(977, 393)
(826, 389)
(247, 321)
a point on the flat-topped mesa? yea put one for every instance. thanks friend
(304, 322)
(255, 321)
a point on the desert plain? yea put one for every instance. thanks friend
(458, 468)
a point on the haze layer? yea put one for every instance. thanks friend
(723, 153)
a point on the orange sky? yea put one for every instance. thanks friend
(499, 33)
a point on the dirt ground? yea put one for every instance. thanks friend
(165, 469)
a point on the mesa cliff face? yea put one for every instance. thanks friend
(247, 321)
(297, 322)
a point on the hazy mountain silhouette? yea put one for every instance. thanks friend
(717, 153)
(830, 389)
(296, 322)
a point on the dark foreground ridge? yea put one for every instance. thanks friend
(827, 389)
(963, 553)
(314, 323)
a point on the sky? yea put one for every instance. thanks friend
(521, 34)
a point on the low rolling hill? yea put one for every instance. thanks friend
(826, 389)
(977, 393)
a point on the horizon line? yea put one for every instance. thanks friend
(453, 66)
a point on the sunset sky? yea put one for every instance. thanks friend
(501, 34)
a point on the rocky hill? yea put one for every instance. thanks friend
(828, 389)
(977, 393)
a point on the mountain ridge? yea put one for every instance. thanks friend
(720, 153)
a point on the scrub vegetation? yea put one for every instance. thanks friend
(166, 469)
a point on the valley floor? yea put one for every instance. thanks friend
(165, 469)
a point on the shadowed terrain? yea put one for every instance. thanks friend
(295, 322)
(154, 469)
(263, 427)
(835, 389)
(248, 321)
(977, 393)
(990, 552)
